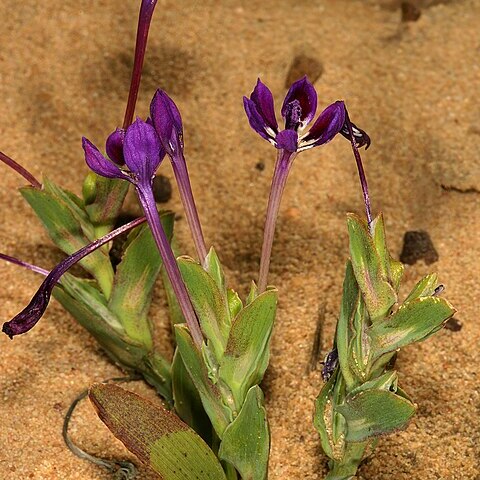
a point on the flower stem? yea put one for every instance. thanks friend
(21, 170)
(147, 201)
(185, 189)
(144, 19)
(21, 263)
(279, 180)
(361, 171)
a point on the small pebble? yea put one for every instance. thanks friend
(410, 12)
(417, 245)
(162, 189)
(304, 65)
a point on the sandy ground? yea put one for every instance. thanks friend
(64, 73)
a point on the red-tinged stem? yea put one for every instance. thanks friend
(144, 19)
(147, 201)
(21, 170)
(26, 265)
(279, 180)
(361, 171)
(188, 201)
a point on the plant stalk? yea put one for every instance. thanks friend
(279, 180)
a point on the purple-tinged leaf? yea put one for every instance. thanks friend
(287, 140)
(303, 94)
(155, 435)
(114, 146)
(263, 99)
(30, 315)
(98, 163)
(142, 151)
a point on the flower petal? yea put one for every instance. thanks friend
(288, 140)
(167, 122)
(98, 163)
(142, 150)
(361, 137)
(304, 93)
(327, 125)
(263, 99)
(114, 146)
(257, 122)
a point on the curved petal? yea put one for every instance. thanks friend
(114, 146)
(304, 93)
(257, 122)
(98, 163)
(263, 99)
(288, 140)
(167, 121)
(361, 137)
(327, 125)
(142, 150)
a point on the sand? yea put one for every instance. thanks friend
(64, 73)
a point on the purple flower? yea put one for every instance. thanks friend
(142, 152)
(167, 121)
(114, 146)
(298, 110)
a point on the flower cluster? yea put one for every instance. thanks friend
(298, 110)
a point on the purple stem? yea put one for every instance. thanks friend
(147, 200)
(21, 170)
(31, 314)
(361, 171)
(21, 263)
(280, 175)
(185, 188)
(144, 19)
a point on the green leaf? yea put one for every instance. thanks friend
(388, 381)
(89, 308)
(134, 280)
(155, 435)
(369, 270)
(209, 304)
(214, 268)
(413, 322)
(212, 401)
(187, 401)
(103, 201)
(84, 303)
(235, 304)
(360, 343)
(350, 300)
(424, 288)
(375, 412)
(323, 417)
(252, 293)
(243, 364)
(65, 230)
(246, 441)
(392, 269)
